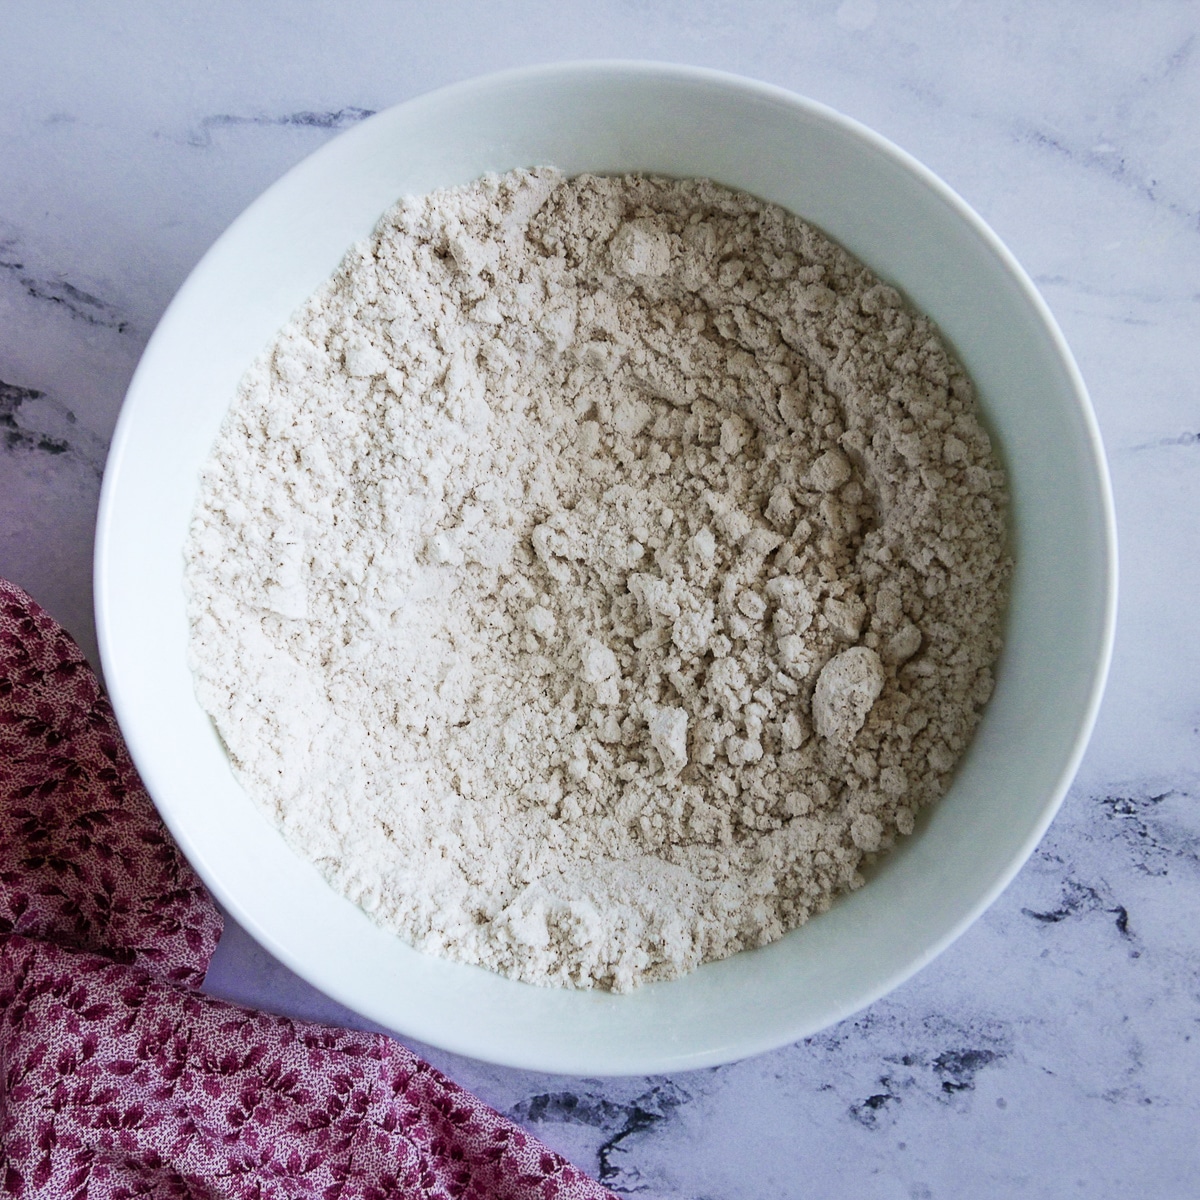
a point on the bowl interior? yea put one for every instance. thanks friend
(911, 230)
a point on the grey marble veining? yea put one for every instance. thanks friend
(1054, 1050)
(343, 118)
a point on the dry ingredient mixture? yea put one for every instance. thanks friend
(595, 572)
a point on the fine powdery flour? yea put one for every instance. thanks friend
(595, 572)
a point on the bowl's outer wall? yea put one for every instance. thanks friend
(908, 227)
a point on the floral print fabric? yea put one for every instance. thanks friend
(117, 1079)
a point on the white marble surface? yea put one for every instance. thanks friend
(1054, 1050)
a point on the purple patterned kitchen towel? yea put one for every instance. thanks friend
(117, 1078)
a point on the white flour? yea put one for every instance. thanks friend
(594, 572)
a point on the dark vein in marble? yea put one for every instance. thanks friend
(16, 438)
(1110, 292)
(629, 1119)
(1183, 439)
(341, 118)
(1152, 835)
(974, 1047)
(1114, 165)
(1155, 836)
(16, 435)
(1079, 899)
(958, 1068)
(941, 1075)
(78, 304)
(867, 1112)
(1174, 63)
(934, 1060)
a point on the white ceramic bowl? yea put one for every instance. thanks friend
(905, 224)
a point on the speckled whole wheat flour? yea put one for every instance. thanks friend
(595, 572)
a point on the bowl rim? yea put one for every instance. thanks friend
(581, 1060)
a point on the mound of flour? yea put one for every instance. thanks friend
(594, 572)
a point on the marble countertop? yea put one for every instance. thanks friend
(1055, 1049)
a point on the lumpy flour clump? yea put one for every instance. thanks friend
(594, 572)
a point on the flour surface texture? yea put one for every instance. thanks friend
(595, 572)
